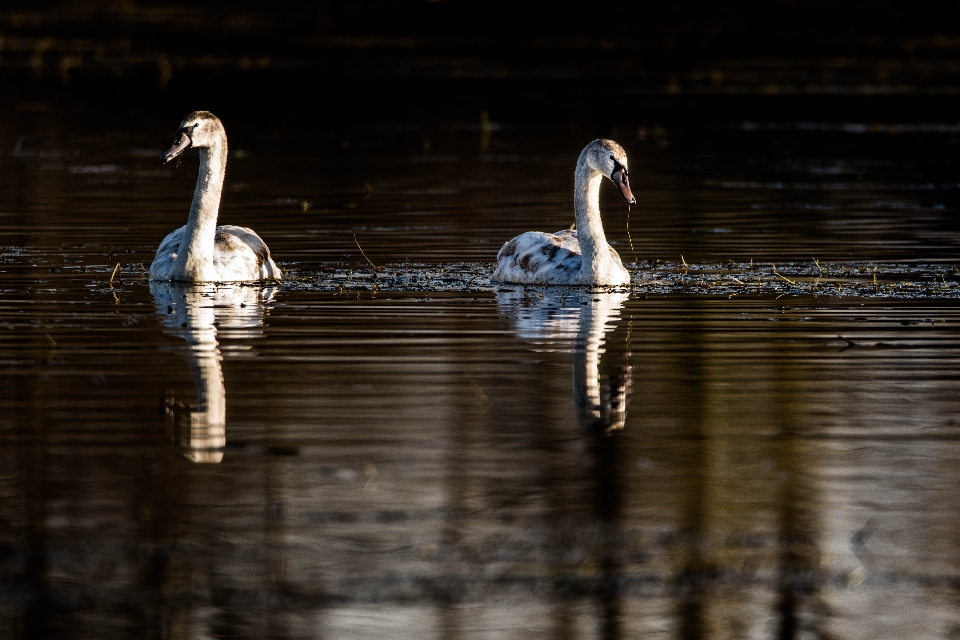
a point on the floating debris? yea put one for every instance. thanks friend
(728, 279)
(814, 278)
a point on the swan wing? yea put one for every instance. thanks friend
(540, 258)
(240, 254)
(166, 255)
(568, 239)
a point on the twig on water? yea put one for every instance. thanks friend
(364, 254)
(817, 262)
(113, 274)
(340, 290)
(779, 275)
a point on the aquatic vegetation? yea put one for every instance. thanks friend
(659, 278)
(814, 278)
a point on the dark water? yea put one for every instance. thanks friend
(300, 462)
(755, 440)
(461, 465)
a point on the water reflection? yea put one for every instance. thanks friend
(552, 319)
(200, 314)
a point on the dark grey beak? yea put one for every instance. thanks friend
(619, 178)
(181, 144)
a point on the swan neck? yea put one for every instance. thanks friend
(195, 258)
(586, 202)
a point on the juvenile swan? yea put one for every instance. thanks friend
(574, 257)
(201, 251)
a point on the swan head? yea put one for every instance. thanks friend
(198, 129)
(609, 158)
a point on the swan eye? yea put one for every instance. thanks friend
(618, 167)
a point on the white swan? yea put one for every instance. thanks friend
(201, 251)
(574, 257)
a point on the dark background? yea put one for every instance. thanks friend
(415, 60)
(770, 133)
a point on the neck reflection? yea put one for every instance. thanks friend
(199, 314)
(559, 318)
(557, 321)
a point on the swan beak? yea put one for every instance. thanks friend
(619, 178)
(181, 144)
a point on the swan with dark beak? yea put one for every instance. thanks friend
(201, 251)
(580, 256)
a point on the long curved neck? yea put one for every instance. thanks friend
(195, 258)
(586, 204)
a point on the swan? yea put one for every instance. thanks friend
(201, 251)
(580, 256)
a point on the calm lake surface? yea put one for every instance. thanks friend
(488, 462)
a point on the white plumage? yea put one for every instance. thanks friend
(536, 257)
(200, 251)
(239, 255)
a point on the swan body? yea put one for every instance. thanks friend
(200, 251)
(239, 255)
(573, 257)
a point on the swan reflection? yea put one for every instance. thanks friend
(555, 319)
(200, 314)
